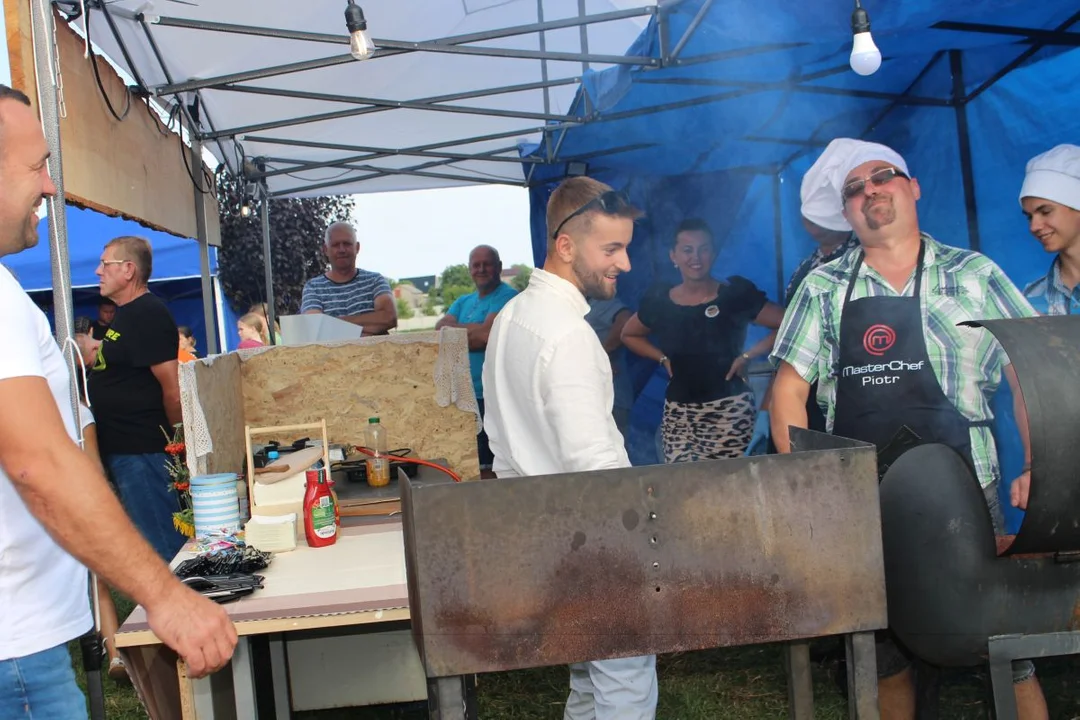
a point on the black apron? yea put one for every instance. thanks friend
(885, 381)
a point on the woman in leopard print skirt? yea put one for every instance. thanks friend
(700, 328)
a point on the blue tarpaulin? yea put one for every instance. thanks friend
(176, 273)
(726, 130)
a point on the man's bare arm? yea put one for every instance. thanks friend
(613, 341)
(84, 517)
(447, 321)
(382, 318)
(1021, 486)
(479, 332)
(167, 374)
(789, 395)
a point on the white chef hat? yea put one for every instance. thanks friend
(822, 203)
(1055, 176)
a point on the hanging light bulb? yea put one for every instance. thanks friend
(360, 45)
(865, 56)
(245, 208)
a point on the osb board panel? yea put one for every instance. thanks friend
(147, 182)
(347, 384)
(222, 398)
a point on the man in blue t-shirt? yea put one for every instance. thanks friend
(476, 312)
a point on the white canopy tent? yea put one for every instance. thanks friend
(452, 93)
(452, 90)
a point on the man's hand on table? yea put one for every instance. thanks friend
(199, 630)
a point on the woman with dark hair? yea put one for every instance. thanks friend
(700, 327)
(186, 351)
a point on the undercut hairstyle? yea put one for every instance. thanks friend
(335, 226)
(10, 93)
(137, 250)
(575, 193)
(693, 225)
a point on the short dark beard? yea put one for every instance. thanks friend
(592, 283)
(872, 222)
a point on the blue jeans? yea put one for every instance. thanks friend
(40, 687)
(143, 484)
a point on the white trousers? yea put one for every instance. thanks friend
(622, 689)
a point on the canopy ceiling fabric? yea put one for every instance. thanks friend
(457, 91)
(780, 87)
(390, 116)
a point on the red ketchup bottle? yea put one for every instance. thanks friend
(320, 515)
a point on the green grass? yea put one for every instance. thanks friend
(736, 683)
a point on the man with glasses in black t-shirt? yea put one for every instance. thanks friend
(135, 392)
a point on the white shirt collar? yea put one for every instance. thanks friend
(558, 287)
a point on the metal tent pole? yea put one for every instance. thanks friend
(963, 138)
(204, 243)
(778, 233)
(271, 313)
(47, 71)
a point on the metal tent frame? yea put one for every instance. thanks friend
(464, 157)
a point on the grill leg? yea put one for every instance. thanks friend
(1001, 684)
(800, 683)
(861, 676)
(452, 698)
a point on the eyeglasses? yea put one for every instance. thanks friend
(611, 202)
(107, 263)
(877, 178)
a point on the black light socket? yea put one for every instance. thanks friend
(860, 19)
(354, 18)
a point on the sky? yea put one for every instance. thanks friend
(421, 232)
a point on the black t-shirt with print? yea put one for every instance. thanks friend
(702, 341)
(124, 393)
(98, 330)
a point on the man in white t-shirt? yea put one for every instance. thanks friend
(53, 500)
(549, 393)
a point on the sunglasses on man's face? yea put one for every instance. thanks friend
(877, 178)
(611, 202)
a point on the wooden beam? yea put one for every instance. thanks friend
(124, 169)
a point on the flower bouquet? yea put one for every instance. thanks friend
(184, 519)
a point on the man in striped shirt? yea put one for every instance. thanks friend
(879, 331)
(346, 292)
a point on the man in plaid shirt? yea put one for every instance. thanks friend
(878, 330)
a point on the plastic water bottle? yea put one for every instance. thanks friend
(378, 466)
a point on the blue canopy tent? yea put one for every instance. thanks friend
(176, 275)
(750, 91)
